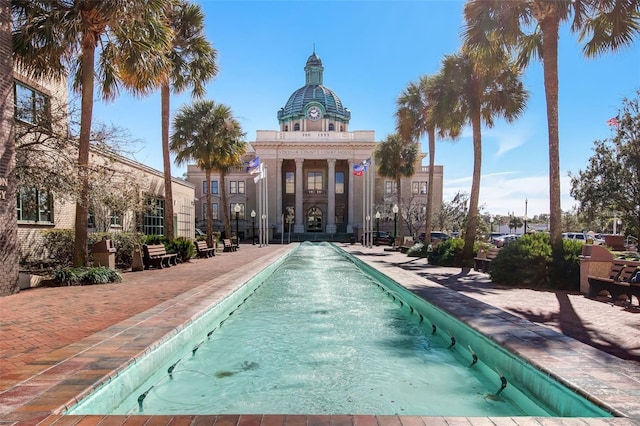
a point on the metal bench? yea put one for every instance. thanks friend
(482, 261)
(156, 255)
(617, 284)
(204, 250)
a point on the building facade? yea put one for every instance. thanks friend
(8, 222)
(311, 183)
(125, 195)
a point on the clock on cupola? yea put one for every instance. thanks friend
(314, 113)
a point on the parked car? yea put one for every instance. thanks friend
(381, 237)
(436, 236)
(577, 236)
(495, 235)
(503, 240)
(200, 233)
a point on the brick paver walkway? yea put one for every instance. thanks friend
(38, 326)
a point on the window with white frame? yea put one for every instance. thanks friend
(214, 211)
(339, 182)
(289, 183)
(233, 187)
(315, 183)
(233, 211)
(418, 187)
(389, 187)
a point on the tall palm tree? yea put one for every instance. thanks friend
(395, 159)
(531, 27)
(193, 63)
(209, 135)
(116, 42)
(476, 89)
(417, 115)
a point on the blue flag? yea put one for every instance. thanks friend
(254, 165)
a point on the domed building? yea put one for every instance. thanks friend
(311, 191)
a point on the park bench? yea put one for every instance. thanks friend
(204, 250)
(156, 255)
(617, 284)
(228, 245)
(482, 261)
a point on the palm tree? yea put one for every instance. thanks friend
(193, 63)
(417, 115)
(209, 135)
(611, 24)
(127, 38)
(475, 90)
(395, 159)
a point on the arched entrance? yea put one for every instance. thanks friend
(314, 220)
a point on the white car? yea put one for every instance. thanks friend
(503, 240)
(578, 236)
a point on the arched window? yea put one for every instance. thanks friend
(296, 127)
(342, 128)
(286, 128)
(331, 127)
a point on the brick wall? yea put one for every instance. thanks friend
(8, 218)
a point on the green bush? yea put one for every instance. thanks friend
(85, 276)
(59, 243)
(447, 253)
(528, 262)
(185, 249)
(419, 249)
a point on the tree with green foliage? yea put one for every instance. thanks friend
(208, 134)
(531, 27)
(116, 42)
(396, 159)
(476, 89)
(610, 184)
(419, 114)
(193, 63)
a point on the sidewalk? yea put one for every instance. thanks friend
(56, 342)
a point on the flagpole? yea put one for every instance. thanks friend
(266, 206)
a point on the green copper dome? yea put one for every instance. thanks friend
(314, 92)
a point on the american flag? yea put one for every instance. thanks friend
(613, 121)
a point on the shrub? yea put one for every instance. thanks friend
(528, 262)
(58, 244)
(185, 249)
(85, 276)
(447, 253)
(419, 249)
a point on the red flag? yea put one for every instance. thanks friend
(613, 121)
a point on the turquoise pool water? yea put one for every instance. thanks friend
(320, 335)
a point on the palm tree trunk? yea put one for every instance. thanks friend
(224, 208)
(80, 254)
(165, 95)
(550, 67)
(472, 215)
(429, 211)
(399, 198)
(209, 209)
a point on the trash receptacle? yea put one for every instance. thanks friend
(104, 254)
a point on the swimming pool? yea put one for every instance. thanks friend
(334, 338)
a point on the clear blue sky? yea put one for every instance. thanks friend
(370, 51)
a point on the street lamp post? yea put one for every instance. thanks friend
(491, 219)
(395, 223)
(237, 210)
(253, 227)
(378, 228)
(525, 215)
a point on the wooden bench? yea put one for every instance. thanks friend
(617, 284)
(482, 261)
(156, 255)
(228, 245)
(204, 250)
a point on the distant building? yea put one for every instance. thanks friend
(310, 161)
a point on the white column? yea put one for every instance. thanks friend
(351, 213)
(299, 224)
(331, 196)
(280, 225)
